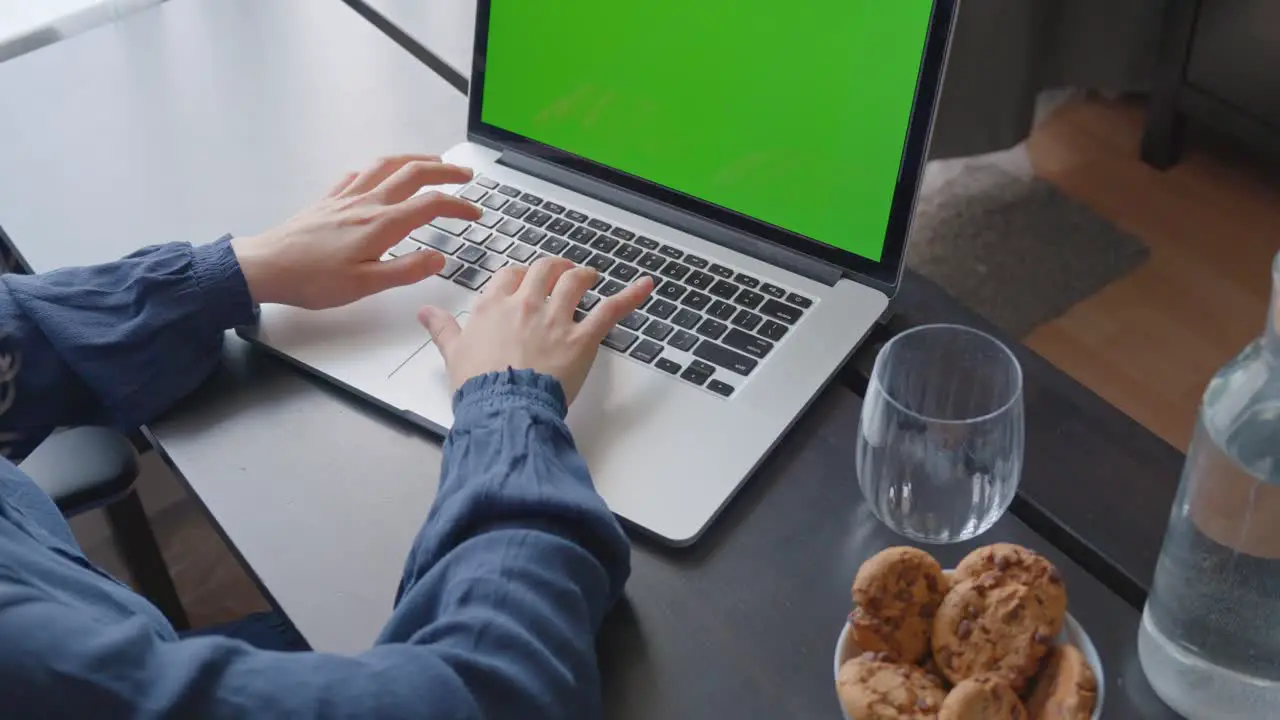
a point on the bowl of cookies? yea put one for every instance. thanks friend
(990, 639)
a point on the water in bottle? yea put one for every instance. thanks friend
(1210, 636)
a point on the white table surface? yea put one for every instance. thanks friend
(201, 117)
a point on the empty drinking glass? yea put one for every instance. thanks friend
(941, 438)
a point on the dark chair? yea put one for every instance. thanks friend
(88, 468)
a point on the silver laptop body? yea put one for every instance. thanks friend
(683, 404)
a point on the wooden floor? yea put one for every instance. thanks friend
(1149, 342)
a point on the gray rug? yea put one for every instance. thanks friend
(1017, 251)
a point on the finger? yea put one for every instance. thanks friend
(381, 170)
(569, 290)
(336, 190)
(543, 276)
(506, 281)
(407, 269)
(442, 326)
(410, 178)
(609, 311)
(425, 207)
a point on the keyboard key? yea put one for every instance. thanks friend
(471, 277)
(604, 243)
(451, 268)
(493, 262)
(721, 310)
(511, 227)
(648, 243)
(722, 356)
(752, 345)
(588, 301)
(538, 256)
(661, 308)
(577, 253)
(749, 299)
(532, 236)
(686, 319)
(582, 234)
(780, 311)
(609, 288)
(560, 226)
(489, 219)
(701, 280)
(695, 300)
(645, 302)
(628, 252)
(472, 193)
(724, 289)
(446, 244)
(652, 261)
(485, 182)
(599, 225)
(471, 254)
(695, 261)
(634, 320)
(509, 191)
(658, 330)
(712, 328)
(720, 388)
(683, 340)
(646, 351)
(674, 270)
(799, 301)
(773, 290)
(553, 208)
(772, 330)
(554, 245)
(747, 280)
(538, 218)
(746, 319)
(576, 216)
(520, 253)
(516, 210)
(579, 316)
(601, 262)
(667, 365)
(657, 281)
(722, 271)
(494, 201)
(671, 252)
(476, 234)
(624, 272)
(671, 291)
(531, 199)
(499, 243)
(622, 234)
(619, 339)
(404, 247)
(694, 376)
(453, 226)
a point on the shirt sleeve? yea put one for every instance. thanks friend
(116, 343)
(503, 593)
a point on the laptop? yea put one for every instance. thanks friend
(760, 161)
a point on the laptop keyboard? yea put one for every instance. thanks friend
(706, 323)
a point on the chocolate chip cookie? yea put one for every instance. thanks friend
(982, 697)
(872, 689)
(897, 593)
(987, 625)
(1067, 690)
(1016, 564)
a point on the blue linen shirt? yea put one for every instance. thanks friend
(503, 591)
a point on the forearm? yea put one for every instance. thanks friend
(118, 342)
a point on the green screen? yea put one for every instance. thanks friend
(791, 112)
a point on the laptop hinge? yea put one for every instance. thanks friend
(758, 248)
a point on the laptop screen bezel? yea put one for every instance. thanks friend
(886, 271)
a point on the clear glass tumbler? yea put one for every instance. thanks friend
(941, 438)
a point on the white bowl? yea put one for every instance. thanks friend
(1072, 634)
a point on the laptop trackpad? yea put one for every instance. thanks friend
(421, 384)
